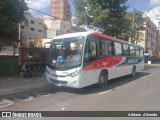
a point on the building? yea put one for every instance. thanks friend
(149, 38)
(157, 23)
(54, 27)
(158, 54)
(61, 9)
(33, 28)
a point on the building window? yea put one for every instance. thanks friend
(40, 30)
(32, 21)
(32, 29)
(40, 24)
(22, 26)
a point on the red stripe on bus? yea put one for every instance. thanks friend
(103, 63)
(110, 37)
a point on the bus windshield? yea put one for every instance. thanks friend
(66, 53)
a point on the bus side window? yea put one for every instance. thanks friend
(105, 48)
(110, 48)
(132, 51)
(86, 53)
(125, 50)
(137, 50)
(118, 48)
(92, 50)
(141, 53)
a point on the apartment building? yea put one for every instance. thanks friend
(54, 27)
(157, 22)
(33, 28)
(158, 54)
(149, 38)
(61, 9)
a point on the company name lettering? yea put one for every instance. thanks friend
(132, 61)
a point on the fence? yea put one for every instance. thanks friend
(9, 65)
(33, 55)
(12, 65)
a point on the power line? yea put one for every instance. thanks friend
(43, 12)
(29, 1)
(46, 14)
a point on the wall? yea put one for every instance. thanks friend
(9, 65)
(55, 27)
(33, 28)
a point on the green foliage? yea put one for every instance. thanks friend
(77, 29)
(106, 15)
(11, 13)
(137, 21)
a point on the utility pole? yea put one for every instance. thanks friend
(133, 22)
(19, 31)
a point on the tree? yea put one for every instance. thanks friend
(106, 15)
(77, 29)
(11, 13)
(137, 21)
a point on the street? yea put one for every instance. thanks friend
(141, 93)
(103, 57)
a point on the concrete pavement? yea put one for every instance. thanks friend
(17, 84)
(125, 94)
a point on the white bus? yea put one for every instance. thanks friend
(81, 59)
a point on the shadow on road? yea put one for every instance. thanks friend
(94, 89)
(112, 84)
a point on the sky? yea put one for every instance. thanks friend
(150, 7)
(44, 6)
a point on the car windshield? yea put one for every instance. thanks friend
(66, 53)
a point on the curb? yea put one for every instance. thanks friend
(22, 89)
(152, 64)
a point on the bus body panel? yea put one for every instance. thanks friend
(116, 65)
(63, 78)
(90, 77)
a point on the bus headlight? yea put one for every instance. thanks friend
(74, 74)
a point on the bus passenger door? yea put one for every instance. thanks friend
(89, 62)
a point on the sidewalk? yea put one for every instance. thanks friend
(157, 63)
(17, 84)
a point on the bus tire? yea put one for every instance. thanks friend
(103, 78)
(133, 71)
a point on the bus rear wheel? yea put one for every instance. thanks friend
(103, 78)
(133, 71)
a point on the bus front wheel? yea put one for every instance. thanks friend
(103, 78)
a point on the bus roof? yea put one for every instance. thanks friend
(77, 34)
(85, 34)
(115, 39)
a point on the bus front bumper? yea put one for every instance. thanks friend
(63, 81)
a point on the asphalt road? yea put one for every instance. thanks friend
(141, 93)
